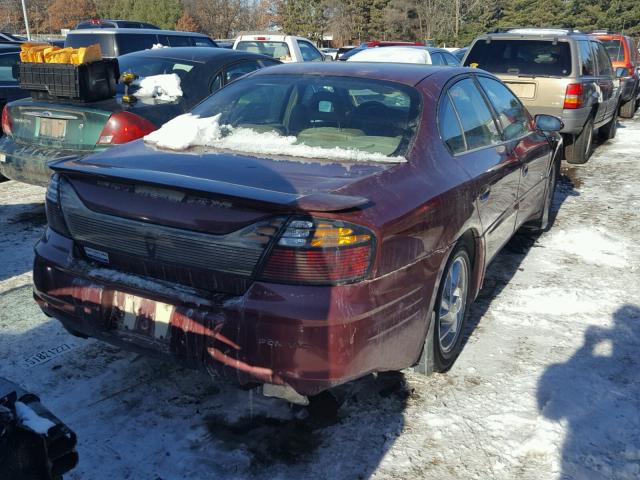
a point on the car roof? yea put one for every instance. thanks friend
(9, 47)
(394, 54)
(198, 54)
(535, 34)
(405, 73)
(133, 31)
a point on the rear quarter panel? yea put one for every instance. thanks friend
(418, 211)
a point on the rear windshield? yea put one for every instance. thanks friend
(304, 116)
(149, 66)
(615, 49)
(521, 57)
(77, 40)
(277, 50)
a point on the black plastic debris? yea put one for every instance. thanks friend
(34, 443)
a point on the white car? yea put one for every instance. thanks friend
(285, 48)
(401, 54)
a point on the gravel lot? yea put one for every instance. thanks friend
(548, 385)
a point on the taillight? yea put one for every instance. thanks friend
(629, 67)
(573, 96)
(6, 121)
(55, 218)
(123, 127)
(320, 252)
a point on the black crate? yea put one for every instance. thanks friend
(87, 82)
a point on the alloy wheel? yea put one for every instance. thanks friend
(453, 304)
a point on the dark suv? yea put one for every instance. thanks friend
(119, 41)
(99, 23)
(564, 73)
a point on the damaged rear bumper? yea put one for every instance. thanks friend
(308, 338)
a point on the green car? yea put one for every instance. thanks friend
(41, 131)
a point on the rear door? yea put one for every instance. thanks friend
(470, 130)
(606, 89)
(530, 147)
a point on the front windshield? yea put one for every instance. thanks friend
(307, 116)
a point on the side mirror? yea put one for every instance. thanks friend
(548, 123)
(622, 72)
(327, 57)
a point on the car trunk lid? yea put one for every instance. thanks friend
(204, 220)
(68, 127)
(77, 126)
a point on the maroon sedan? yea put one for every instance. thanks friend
(302, 227)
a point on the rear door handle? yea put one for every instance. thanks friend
(484, 196)
(525, 170)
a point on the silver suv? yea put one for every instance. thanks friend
(557, 72)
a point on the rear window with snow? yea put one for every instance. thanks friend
(339, 118)
(277, 50)
(145, 67)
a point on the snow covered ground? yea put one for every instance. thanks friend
(547, 387)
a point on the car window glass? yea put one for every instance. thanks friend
(277, 50)
(450, 60)
(511, 113)
(521, 57)
(233, 72)
(604, 62)
(309, 53)
(268, 63)
(145, 66)
(178, 41)
(202, 42)
(105, 41)
(319, 112)
(615, 49)
(587, 62)
(217, 83)
(477, 121)
(131, 42)
(450, 129)
(7, 63)
(436, 59)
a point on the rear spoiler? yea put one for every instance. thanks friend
(316, 202)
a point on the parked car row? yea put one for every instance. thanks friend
(41, 130)
(310, 222)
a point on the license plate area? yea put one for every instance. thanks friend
(523, 89)
(142, 320)
(53, 128)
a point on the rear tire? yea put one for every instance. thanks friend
(443, 341)
(579, 151)
(608, 131)
(628, 109)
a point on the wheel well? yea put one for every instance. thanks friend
(471, 241)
